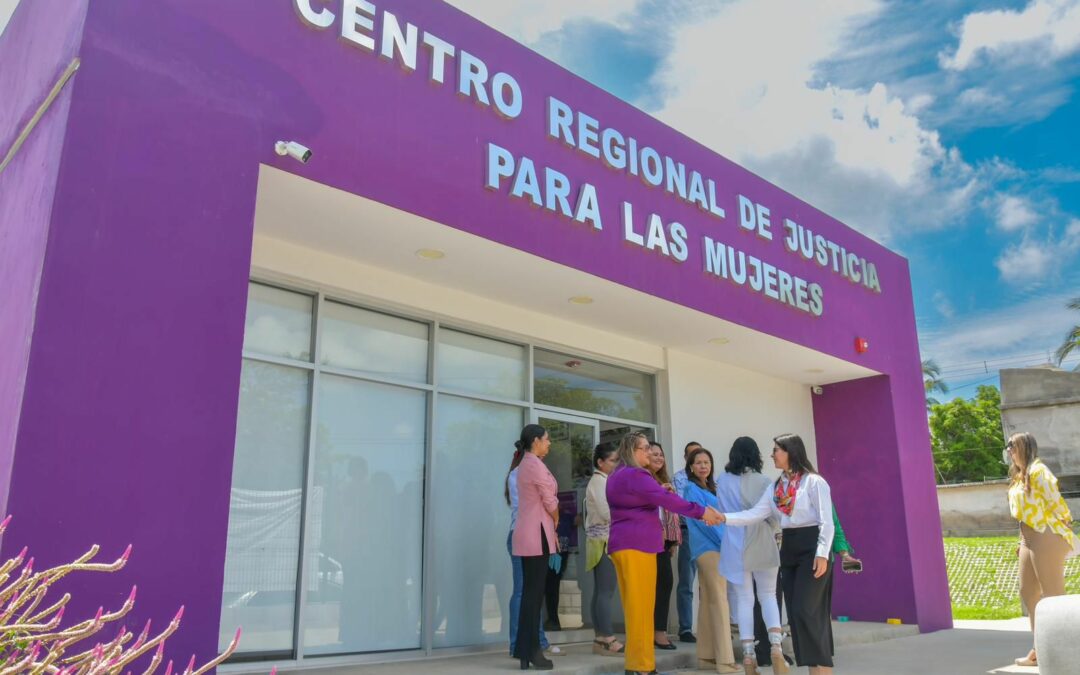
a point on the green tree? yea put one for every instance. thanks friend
(967, 438)
(932, 382)
(1072, 338)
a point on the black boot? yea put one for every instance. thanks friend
(541, 662)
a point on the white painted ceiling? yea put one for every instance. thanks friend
(325, 219)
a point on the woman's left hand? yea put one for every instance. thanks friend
(669, 487)
(821, 566)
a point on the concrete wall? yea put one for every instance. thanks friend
(975, 509)
(980, 509)
(1046, 403)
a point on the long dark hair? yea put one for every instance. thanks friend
(793, 445)
(529, 434)
(744, 456)
(710, 482)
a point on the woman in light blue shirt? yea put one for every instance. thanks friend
(714, 627)
(750, 553)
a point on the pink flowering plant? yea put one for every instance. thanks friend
(33, 641)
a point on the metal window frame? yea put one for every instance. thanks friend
(530, 411)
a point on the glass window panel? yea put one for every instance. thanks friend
(481, 365)
(278, 323)
(262, 549)
(588, 386)
(474, 443)
(365, 522)
(374, 343)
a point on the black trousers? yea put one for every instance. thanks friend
(809, 600)
(552, 587)
(534, 576)
(665, 581)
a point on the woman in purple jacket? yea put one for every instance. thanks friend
(636, 537)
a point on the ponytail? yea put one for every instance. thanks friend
(519, 453)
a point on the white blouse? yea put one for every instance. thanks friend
(813, 506)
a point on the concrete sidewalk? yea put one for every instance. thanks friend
(974, 647)
(580, 660)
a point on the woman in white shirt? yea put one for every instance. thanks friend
(597, 528)
(800, 500)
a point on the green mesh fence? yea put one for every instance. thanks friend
(983, 578)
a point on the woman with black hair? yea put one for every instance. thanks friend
(705, 542)
(801, 501)
(534, 540)
(510, 493)
(597, 529)
(750, 553)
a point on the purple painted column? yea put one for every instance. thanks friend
(128, 419)
(33, 58)
(876, 471)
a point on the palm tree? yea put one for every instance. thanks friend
(932, 382)
(1072, 338)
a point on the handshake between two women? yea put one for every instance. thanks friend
(712, 516)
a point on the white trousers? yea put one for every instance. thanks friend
(766, 593)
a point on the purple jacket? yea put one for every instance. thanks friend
(634, 496)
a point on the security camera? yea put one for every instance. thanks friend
(293, 149)
(817, 390)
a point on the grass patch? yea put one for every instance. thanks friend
(983, 577)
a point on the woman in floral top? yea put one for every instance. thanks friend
(665, 579)
(1046, 538)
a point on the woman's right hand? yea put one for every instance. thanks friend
(712, 516)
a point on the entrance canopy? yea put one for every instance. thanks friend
(310, 215)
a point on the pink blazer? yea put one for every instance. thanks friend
(537, 496)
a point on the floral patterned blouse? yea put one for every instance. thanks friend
(1043, 507)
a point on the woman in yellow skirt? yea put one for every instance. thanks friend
(635, 537)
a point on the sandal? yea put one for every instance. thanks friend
(780, 664)
(607, 647)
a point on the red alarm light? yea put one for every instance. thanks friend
(861, 345)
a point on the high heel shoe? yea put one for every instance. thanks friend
(541, 662)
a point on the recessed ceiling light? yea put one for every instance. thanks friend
(719, 341)
(430, 254)
(581, 300)
(815, 371)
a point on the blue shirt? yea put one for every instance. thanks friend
(703, 538)
(679, 483)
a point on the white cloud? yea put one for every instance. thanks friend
(743, 83)
(1033, 262)
(527, 21)
(1052, 27)
(1012, 335)
(943, 305)
(1014, 213)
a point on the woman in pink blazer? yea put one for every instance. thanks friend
(534, 540)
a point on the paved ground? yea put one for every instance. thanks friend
(975, 647)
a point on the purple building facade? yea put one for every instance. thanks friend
(146, 349)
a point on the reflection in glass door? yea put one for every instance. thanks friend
(570, 460)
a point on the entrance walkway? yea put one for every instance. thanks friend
(580, 660)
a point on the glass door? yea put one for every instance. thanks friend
(570, 460)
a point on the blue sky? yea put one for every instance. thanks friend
(945, 129)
